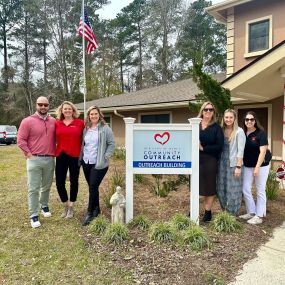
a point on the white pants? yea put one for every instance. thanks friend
(258, 208)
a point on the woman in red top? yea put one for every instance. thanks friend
(68, 143)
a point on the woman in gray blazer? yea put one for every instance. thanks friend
(229, 181)
(97, 147)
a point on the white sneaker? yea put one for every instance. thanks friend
(255, 220)
(45, 212)
(246, 216)
(35, 223)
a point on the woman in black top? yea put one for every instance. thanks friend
(255, 168)
(211, 146)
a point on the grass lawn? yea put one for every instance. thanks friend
(55, 253)
(63, 252)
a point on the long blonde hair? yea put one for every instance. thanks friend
(200, 114)
(101, 116)
(59, 114)
(235, 124)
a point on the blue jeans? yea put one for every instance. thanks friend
(40, 172)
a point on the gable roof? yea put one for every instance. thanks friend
(169, 95)
(219, 11)
(260, 80)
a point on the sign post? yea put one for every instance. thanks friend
(163, 149)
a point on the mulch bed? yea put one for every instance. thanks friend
(170, 264)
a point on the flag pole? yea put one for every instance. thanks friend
(83, 52)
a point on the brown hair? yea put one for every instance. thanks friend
(101, 116)
(257, 124)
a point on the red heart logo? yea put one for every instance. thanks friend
(162, 139)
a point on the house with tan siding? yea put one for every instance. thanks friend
(168, 103)
(256, 62)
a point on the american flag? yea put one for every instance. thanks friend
(88, 33)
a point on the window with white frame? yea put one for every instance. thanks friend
(258, 36)
(163, 118)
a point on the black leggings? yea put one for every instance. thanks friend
(63, 163)
(94, 178)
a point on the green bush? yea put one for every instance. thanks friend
(181, 222)
(162, 188)
(195, 237)
(139, 178)
(116, 233)
(225, 222)
(272, 186)
(117, 179)
(183, 179)
(141, 222)
(98, 225)
(163, 233)
(119, 153)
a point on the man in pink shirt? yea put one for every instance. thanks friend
(36, 138)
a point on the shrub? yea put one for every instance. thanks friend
(141, 222)
(116, 233)
(161, 189)
(119, 153)
(196, 238)
(117, 179)
(225, 222)
(98, 225)
(181, 222)
(139, 178)
(183, 179)
(272, 186)
(163, 233)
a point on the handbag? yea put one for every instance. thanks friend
(268, 156)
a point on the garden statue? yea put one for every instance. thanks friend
(118, 203)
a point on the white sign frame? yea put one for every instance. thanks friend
(193, 127)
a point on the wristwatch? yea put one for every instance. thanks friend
(238, 167)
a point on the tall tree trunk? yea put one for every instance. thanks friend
(63, 55)
(121, 75)
(164, 55)
(28, 93)
(140, 80)
(45, 51)
(5, 73)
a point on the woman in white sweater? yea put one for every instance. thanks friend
(229, 181)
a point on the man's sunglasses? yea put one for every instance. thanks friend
(42, 104)
(208, 110)
(249, 119)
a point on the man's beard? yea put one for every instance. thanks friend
(42, 113)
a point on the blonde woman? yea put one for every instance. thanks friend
(97, 147)
(211, 146)
(229, 182)
(68, 130)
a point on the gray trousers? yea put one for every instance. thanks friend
(40, 172)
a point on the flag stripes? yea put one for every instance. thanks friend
(88, 33)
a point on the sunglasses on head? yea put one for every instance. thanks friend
(42, 104)
(249, 119)
(208, 110)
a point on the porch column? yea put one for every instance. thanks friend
(282, 70)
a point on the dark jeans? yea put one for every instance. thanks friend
(63, 163)
(94, 178)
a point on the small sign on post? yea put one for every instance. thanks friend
(163, 149)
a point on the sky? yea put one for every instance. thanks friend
(110, 11)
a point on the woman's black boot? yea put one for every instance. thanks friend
(87, 220)
(207, 216)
